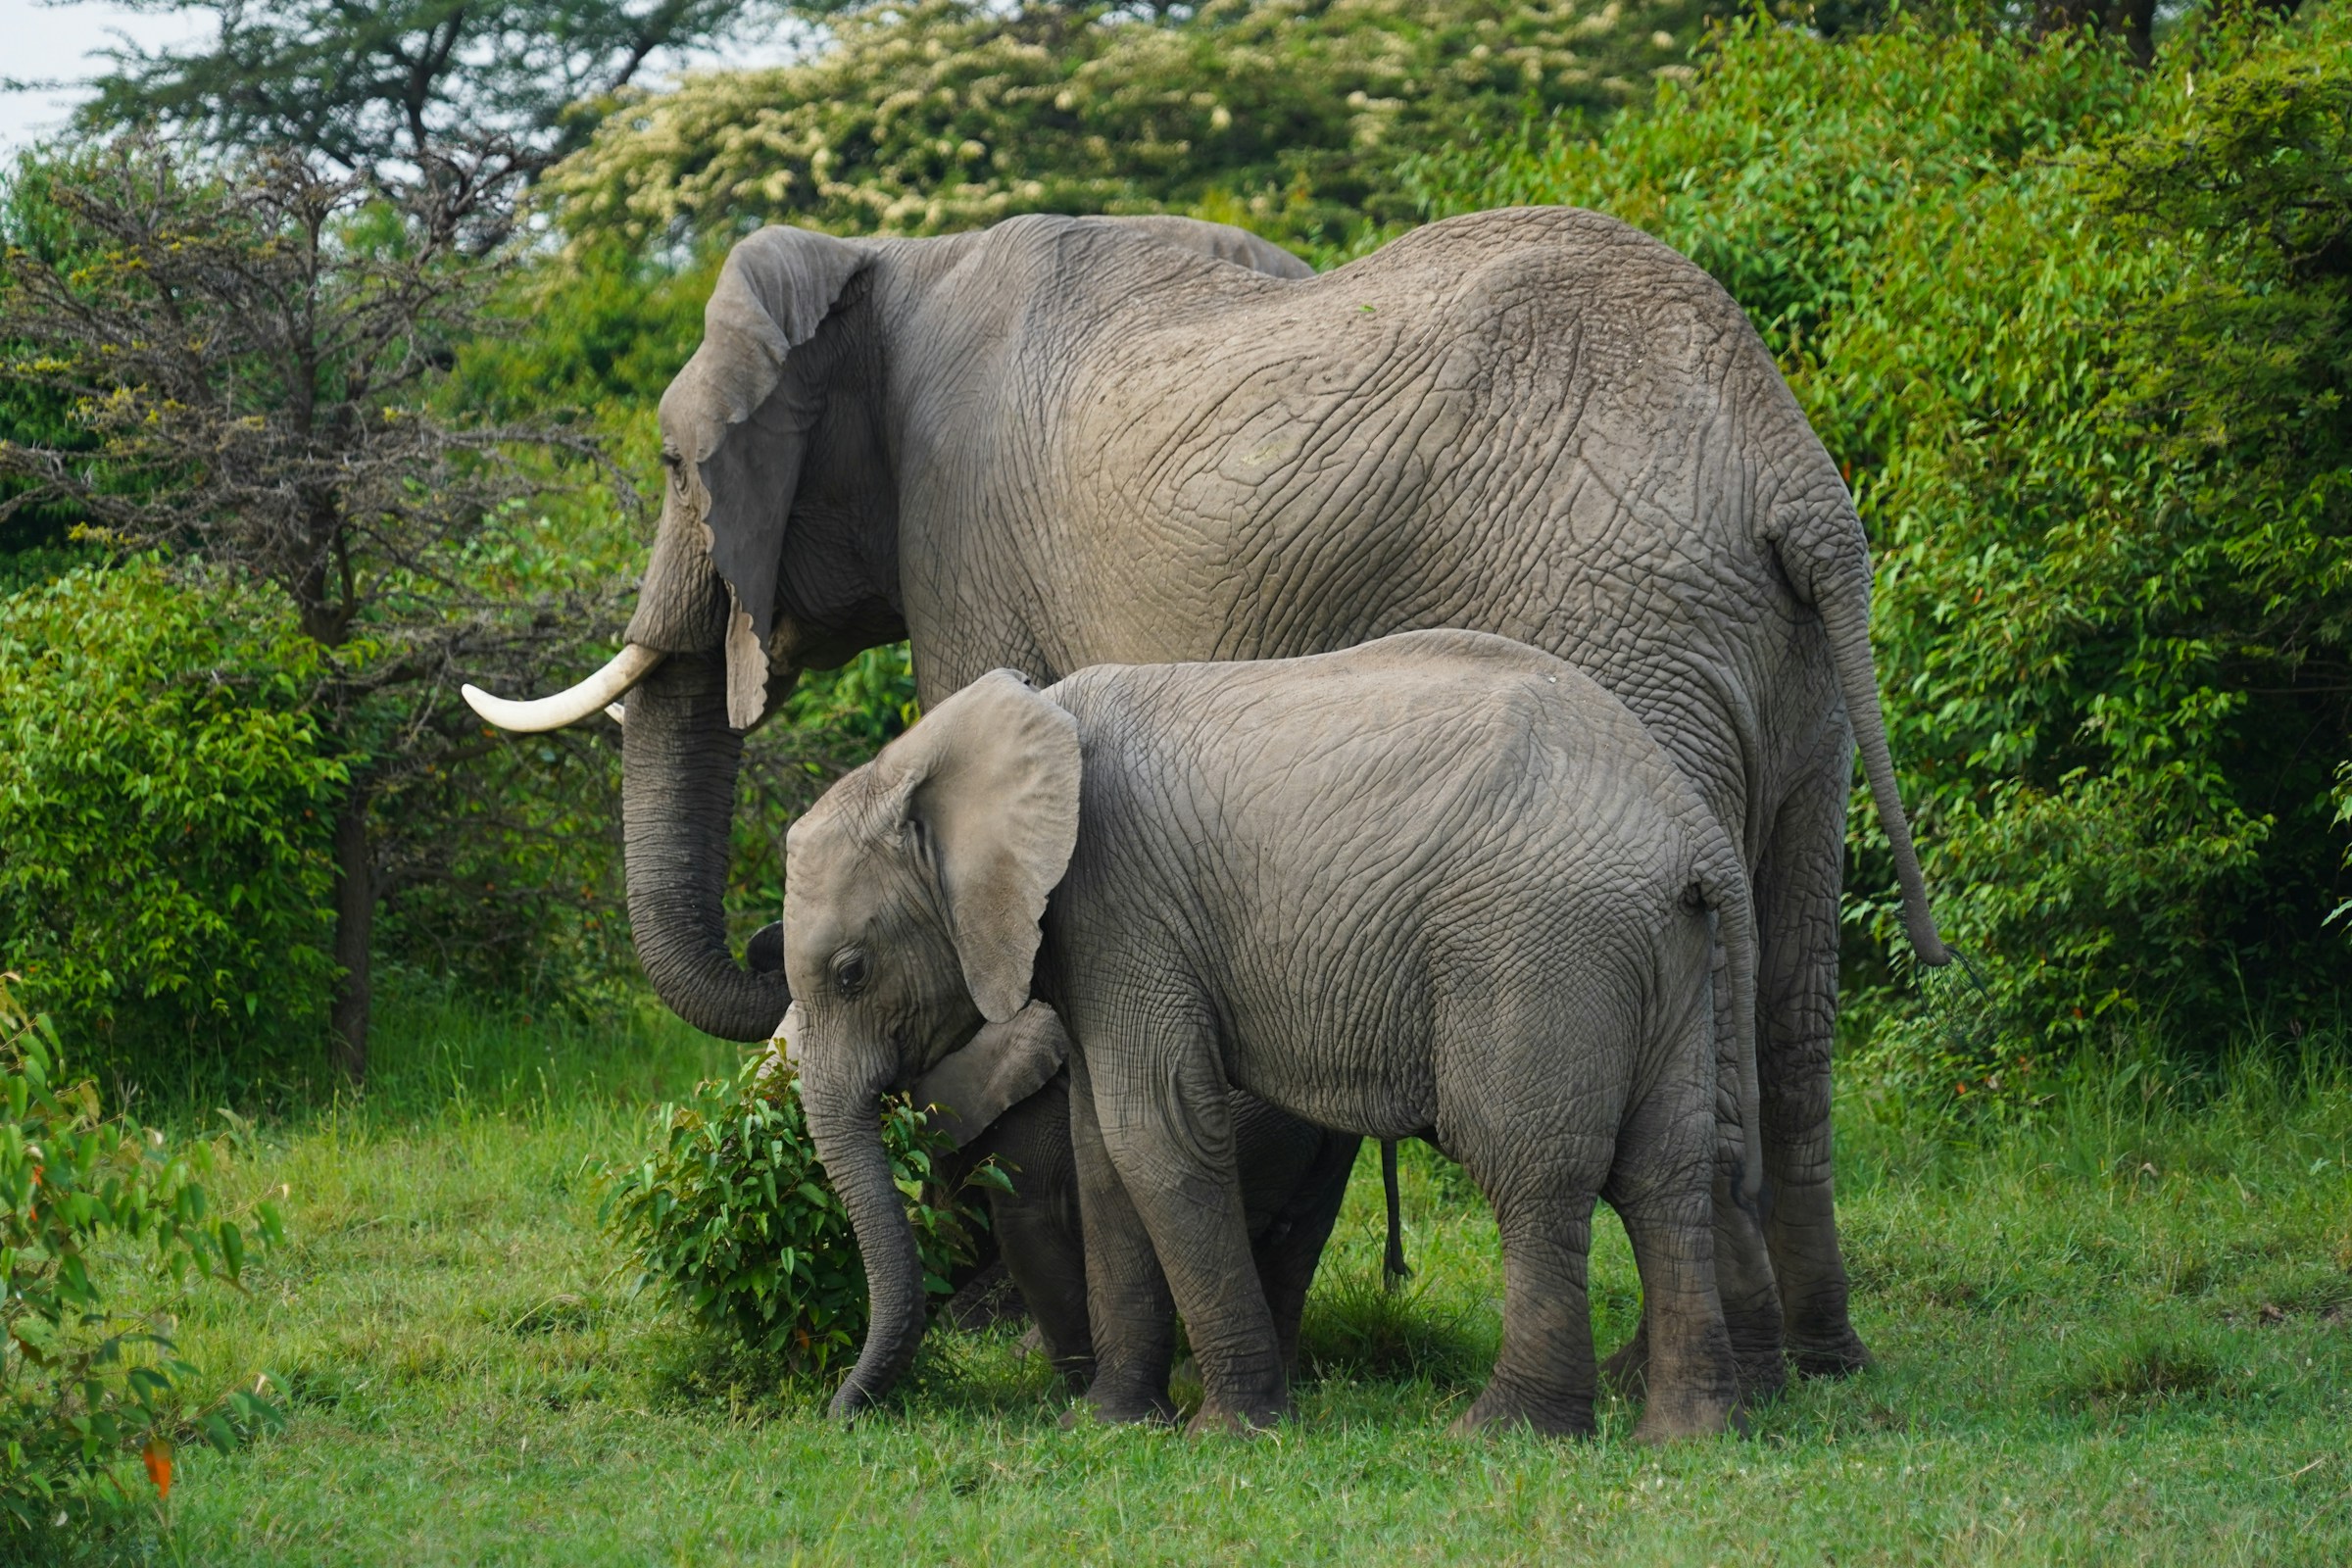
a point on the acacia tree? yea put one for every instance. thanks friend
(250, 350)
(366, 86)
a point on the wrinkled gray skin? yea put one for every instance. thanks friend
(1063, 442)
(1439, 885)
(1294, 1178)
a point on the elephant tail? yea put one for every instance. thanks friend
(1722, 883)
(1394, 1270)
(1845, 616)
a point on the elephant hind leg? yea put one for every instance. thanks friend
(1545, 1377)
(1752, 1310)
(1744, 1278)
(1798, 880)
(1661, 1190)
(1534, 1120)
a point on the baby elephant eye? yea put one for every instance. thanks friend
(849, 972)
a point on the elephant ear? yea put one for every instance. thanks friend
(989, 782)
(1003, 1064)
(733, 431)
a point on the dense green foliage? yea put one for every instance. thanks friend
(730, 1211)
(2078, 334)
(2076, 330)
(164, 793)
(929, 115)
(86, 1388)
(252, 354)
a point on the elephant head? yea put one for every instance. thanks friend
(915, 893)
(777, 552)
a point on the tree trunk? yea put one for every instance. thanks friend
(354, 926)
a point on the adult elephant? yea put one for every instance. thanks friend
(1062, 442)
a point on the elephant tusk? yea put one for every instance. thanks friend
(617, 713)
(607, 685)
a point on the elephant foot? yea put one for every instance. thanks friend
(1240, 1421)
(1500, 1410)
(1758, 1358)
(1121, 1407)
(1673, 1419)
(1838, 1356)
(853, 1404)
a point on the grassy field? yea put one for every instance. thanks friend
(2122, 1338)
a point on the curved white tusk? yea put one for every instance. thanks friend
(607, 685)
(617, 713)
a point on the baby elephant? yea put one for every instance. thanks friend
(1439, 885)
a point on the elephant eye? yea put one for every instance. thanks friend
(849, 972)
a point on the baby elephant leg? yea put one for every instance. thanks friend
(1545, 1376)
(1526, 1100)
(1662, 1186)
(1751, 1306)
(1127, 1303)
(1167, 1127)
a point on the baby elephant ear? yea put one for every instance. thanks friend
(1003, 1064)
(990, 777)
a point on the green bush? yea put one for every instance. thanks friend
(164, 800)
(86, 1390)
(2078, 333)
(929, 115)
(730, 1211)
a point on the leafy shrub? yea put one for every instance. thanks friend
(87, 1392)
(930, 116)
(165, 799)
(733, 1214)
(2078, 334)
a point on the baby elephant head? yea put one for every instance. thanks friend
(913, 896)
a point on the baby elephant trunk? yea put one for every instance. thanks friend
(848, 1140)
(1722, 883)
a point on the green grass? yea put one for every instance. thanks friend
(2120, 1338)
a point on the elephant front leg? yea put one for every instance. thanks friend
(1132, 1316)
(1797, 884)
(1167, 1127)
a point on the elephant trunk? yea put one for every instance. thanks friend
(679, 762)
(848, 1140)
